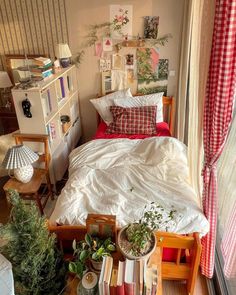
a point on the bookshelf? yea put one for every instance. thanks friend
(53, 98)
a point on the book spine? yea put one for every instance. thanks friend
(120, 290)
(62, 87)
(113, 290)
(49, 100)
(129, 288)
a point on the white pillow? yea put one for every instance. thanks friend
(102, 104)
(154, 99)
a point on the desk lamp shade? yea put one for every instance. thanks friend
(63, 53)
(20, 158)
(4, 80)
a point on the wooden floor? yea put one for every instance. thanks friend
(169, 287)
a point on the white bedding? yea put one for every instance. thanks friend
(120, 176)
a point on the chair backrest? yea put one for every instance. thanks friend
(183, 269)
(44, 157)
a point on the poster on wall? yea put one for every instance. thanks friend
(151, 24)
(121, 19)
(117, 62)
(152, 72)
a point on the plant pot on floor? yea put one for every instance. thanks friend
(135, 253)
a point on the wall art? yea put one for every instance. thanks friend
(152, 72)
(121, 20)
(117, 62)
(151, 27)
(104, 65)
(107, 44)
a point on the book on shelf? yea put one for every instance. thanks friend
(40, 69)
(46, 102)
(44, 74)
(120, 278)
(105, 276)
(60, 89)
(41, 61)
(131, 278)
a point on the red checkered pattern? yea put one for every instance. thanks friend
(217, 116)
(136, 120)
(228, 246)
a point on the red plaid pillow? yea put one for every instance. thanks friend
(136, 120)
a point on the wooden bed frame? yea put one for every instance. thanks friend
(168, 111)
(182, 268)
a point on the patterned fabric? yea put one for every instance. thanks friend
(228, 246)
(217, 116)
(137, 120)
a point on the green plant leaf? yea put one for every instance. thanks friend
(72, 267)
(111, 247)
(84, 255)
(95, 256)
(74, 245)
(88, 240)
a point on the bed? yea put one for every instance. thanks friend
(120, 174)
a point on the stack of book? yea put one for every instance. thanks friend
(43, 67)
(132, 277)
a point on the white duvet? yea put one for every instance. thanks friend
(120, 176)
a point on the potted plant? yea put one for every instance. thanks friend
(37, 264)
(137, 240)
(93, 249)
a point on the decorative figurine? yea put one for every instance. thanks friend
(26, 105)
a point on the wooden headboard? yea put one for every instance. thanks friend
(168, 111)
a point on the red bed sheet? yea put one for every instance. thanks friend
(162, 130)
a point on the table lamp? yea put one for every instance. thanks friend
(20, 158)
(63, 53)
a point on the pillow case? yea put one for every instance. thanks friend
(154, 99)
(102, 104)
(137, 120)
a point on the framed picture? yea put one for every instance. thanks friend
(151, 24)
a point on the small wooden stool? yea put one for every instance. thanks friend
(30, 190)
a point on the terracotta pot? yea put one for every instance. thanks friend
(97, 265)
(122, 235)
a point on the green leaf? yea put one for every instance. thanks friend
(74, 245)
(111, 247)
(95, 256)
(84, 255)
(72, 267)
(88, 240)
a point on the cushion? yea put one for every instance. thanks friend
(102, 104)
(154, 99)
(137, 120)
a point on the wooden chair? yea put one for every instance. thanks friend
(183, 268)
(30, 190)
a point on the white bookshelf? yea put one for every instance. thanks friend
(51, 99)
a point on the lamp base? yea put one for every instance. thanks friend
(24, 174)
(65, 62)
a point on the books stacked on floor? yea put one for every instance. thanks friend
(132, 277)
(44, 67)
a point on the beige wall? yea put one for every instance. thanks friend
(83, 13)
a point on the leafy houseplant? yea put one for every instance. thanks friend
(38, 267)
(137, 239)
(91, 248)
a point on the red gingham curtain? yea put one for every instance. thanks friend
(217, 116)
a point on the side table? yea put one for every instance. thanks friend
(72, 282)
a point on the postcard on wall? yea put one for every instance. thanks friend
(121, 19)
(98, 49)
(151, 24)
(107, 44)
(104, 65)
(117, 62)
